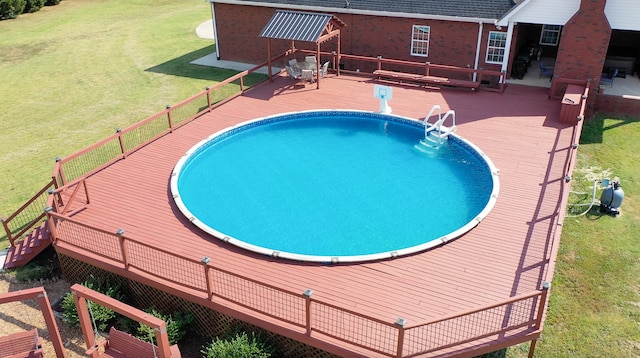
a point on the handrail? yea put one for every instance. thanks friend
(299, 309)
(120, 144)
(476, 75)
(56, 201)
(29, 215)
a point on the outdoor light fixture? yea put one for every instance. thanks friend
(120, 232)
(308, 292)
(205, 260)
(401, 322)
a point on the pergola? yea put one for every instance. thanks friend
(302, 26)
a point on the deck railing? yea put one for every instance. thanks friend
(300, 309)
(489, 80)
(28, 216)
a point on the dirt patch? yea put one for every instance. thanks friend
(25, 315)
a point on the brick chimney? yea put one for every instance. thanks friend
(584, 42)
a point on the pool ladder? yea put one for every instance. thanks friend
(436, 133)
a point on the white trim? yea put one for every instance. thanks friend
(215, 31)
(478, 49)
(413, 39)
(504, 49)
(339, 10)
(507, 50)
(542, 32)
(504, 21)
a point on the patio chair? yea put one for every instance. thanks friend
(610, 77)
(307, 75)
(294, 74)
(545, 71)
(323, 69)
(293, 63)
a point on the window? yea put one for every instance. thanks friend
(420, 40)
(550, 35)
(495, 46)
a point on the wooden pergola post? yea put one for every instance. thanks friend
(40, 295)
(81, 293)
(320, 28)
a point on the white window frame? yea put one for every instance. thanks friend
(551, 32)
(496, 45)
(420, 42)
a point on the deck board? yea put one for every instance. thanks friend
(505, 255)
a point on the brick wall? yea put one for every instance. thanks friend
(451, 43)
(583, 46)
(617, 105)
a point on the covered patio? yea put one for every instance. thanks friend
(305, 27)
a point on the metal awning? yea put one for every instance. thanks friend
(300, 26)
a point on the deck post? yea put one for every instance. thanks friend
(400, 322)
(6, 229)
(532, 348)
(169, 119)
(307, 298)
(85, 322)
(208, 89)
(52, 224)
(205, 261)
(543, 300)
(123, 150)
(50, 321)
(123, 248)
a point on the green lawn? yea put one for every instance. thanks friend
(70, 74)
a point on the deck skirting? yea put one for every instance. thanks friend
(208, 323)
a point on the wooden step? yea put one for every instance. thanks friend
(27, 249)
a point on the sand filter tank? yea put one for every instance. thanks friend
(611, 198)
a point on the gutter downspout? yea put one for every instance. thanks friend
(475, 65)
(215, 31)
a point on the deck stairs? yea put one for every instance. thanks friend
(27, 249)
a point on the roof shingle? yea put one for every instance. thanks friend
(485, 9)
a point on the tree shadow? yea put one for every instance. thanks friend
(593, 129)
(182, 66)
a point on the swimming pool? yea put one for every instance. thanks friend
(333, 186)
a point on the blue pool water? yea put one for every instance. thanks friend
(333, 186)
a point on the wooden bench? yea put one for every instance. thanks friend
(123, 345)
(26, 344)
(431, 80)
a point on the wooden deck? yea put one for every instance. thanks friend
(506, 255)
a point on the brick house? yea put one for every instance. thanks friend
(584, 37)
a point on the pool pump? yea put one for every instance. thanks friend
(611, 197)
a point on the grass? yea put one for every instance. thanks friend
(73, 73)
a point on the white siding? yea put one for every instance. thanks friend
(550, 12)
(623, 14)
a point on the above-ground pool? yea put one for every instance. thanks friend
(333, 186)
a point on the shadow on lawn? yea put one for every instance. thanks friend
(593, 130)
(181, 66)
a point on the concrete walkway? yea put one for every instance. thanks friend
(205, 31)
